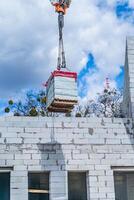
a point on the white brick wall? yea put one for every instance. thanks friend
(60, 145)
(128, 97)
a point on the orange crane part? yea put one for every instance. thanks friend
(61, 5)
(59, 8)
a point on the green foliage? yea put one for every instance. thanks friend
(33, 112)
(7, 110)
(33, 105)
(10, 102)
(43, 100)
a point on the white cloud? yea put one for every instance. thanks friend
(131, 3)
(29, 38)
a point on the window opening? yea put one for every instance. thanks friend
(77, 186)
(4, 186)
(38, 186)
(124, 185)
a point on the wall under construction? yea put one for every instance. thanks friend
(59, 145)
(128, 97)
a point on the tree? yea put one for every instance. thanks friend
(107, 104)
(33, 105)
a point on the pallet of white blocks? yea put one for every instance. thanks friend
(61, 91)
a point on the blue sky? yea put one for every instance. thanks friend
(124, 12)
(95, 35)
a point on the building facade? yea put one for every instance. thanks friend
(70, 158)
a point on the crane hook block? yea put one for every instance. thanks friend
(61, 5)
